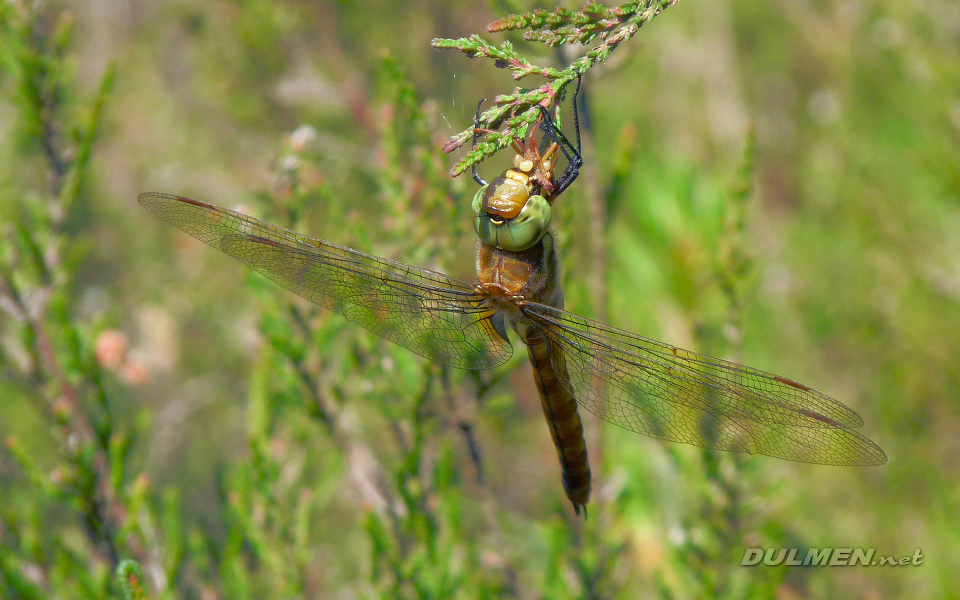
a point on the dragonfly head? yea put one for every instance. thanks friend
(510, 212)
(507, 215)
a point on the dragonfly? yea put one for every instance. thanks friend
(634, 382)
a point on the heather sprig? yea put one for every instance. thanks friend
(510, 116)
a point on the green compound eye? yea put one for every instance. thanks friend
(518, 233)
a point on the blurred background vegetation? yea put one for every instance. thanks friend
(772, 181)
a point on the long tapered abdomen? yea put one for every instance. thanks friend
(560, 409)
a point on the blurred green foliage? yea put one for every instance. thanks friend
(776, 182)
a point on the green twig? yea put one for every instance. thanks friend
(511, 114)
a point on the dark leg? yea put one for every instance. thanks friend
(572, 154)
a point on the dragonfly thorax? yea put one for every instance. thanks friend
(510, 278)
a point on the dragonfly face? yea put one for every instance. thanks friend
(507, 212)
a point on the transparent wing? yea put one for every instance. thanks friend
(674, 394)
(436, 316)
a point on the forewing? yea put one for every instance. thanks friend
(674, 394)
(438, 317)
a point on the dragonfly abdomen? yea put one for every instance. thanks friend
(560, 409)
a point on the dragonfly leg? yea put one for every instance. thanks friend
(572, 154)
